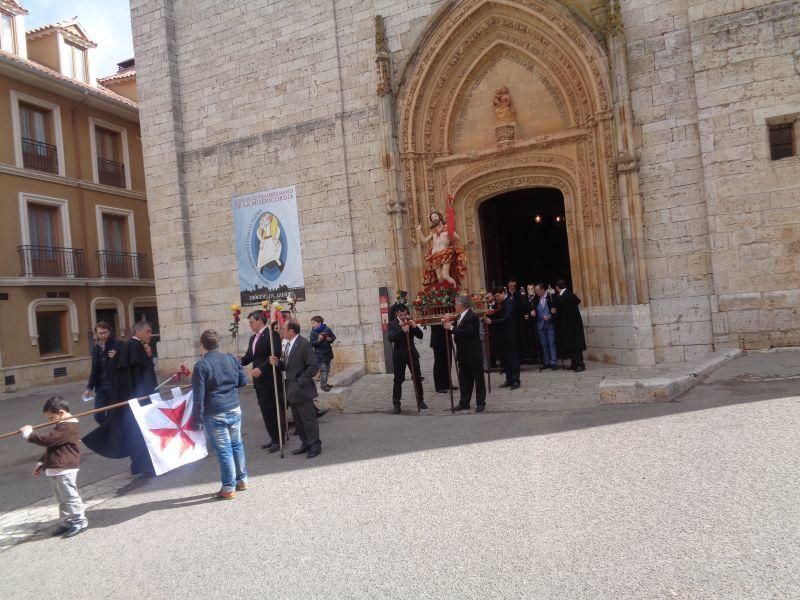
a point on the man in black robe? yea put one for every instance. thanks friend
(503, 330)
(133, 376)
(103, 355)
(441, 364)
(570, 341)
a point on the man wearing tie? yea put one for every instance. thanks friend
(299, 362)
(258, 353)
(469, 355)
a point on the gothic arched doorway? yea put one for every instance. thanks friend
(524, 236)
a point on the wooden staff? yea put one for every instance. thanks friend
(275, 383)
(411, 367)
(86, 413)
(488, 350)
(449, 367)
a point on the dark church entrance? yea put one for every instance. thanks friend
(525, 237)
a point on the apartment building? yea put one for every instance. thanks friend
(74, 230)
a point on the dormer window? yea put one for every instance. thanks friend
(76, 62)
(7, 41)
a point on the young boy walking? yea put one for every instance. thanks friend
(321, 339)
(60, 462)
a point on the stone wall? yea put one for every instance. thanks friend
(722, 220)
(661, 73)
(747, 74)
(248, 97)
(239, 97)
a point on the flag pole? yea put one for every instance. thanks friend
(84, 414)
(275, 383)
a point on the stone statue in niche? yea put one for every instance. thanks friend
(505, 117)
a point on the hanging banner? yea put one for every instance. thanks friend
(267, 231)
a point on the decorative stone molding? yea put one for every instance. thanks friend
(33, 331)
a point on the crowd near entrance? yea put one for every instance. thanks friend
(524, 235)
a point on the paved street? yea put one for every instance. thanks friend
(690, 499)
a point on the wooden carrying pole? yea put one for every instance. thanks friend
(447, 335)
(86, 413)
(411, 367)
(275, 384)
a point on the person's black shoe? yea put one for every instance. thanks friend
(301, 450)
(460, 406)
(580, 369)
(480, 408)
(421, 404)
(505, 384)
(273, 447)
(396, 409)
(515, 385)
(60, 530)
(314, 451)
(326, 388)
(554, 367)
(442, 391)
(322, 413)
(74, 530)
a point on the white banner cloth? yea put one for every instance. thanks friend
(165, 428)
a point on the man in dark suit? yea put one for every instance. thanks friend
(504, 338)
(299, 362)
(402, 331)
(570, 341)
(258, 353)
(134, 376)
(469, 355)
(103, 355)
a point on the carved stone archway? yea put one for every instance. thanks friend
(558, 76)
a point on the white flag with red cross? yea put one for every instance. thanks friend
(165, 428)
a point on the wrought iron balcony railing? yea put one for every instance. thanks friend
(110, 172)
(123, 265)
(39, 156)
(51, 261)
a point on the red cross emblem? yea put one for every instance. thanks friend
(179, 431)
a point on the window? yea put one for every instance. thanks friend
(781, 140)
(44, 225)
(115, 236)
(76, 62)
(110, 168)
(46, 248)
(6, 32)
(36, 125)
(109, 146)
(50, 325)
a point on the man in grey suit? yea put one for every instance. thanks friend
(299, 362)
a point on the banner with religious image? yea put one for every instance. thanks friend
(165, 429)
(267, 231)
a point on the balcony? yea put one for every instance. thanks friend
(111, 173)
(39, 156)
(123, 265)
(50, 261)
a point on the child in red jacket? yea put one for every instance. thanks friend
(60, 463)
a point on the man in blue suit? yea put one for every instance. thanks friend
(544, 326)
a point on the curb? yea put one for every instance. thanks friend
(664, 388)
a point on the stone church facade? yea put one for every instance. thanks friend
(669, 128)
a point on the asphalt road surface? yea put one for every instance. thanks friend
(690, 499)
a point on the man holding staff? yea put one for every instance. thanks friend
(299, 363)
(404, 353)
(465, 329)
(259, 349)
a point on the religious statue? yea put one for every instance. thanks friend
(445, 261)
(503, 109)
(269, 236)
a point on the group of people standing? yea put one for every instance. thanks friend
(541, 325)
